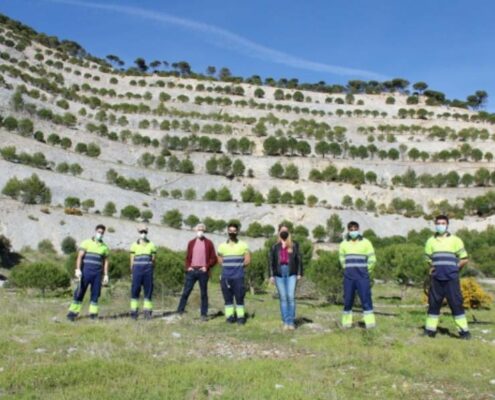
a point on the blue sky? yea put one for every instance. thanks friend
(446, 43)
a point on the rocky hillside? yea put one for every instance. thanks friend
(180, 147)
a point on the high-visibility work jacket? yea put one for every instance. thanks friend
(444, 253)
(357, 257)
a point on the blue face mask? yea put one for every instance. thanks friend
(441, 229)
(354, 234)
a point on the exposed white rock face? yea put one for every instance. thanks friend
(27, 225)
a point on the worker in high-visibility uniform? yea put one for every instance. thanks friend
(233, 256)
(447, 256)
(357, 257)
(91, 263)
(143, 256)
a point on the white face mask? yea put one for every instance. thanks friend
(99, 236)
(200, 234)
(143, 235)
(440, 229)
(354, 234)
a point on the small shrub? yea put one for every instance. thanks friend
(72, 202)
(255, 274)
(46, 247)
(169, 270)
(326, 273)
(68, 245)
(93, 150)
(87, 204)
(191, 221)
(473, 294)
(72, 211)
(110, 209)
(30, 190)
(173, 219)
(146, 215)
(130, 212)
(81, 148)
(43, 276)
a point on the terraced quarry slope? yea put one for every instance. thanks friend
(149, 125)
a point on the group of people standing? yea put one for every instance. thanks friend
(444, 252)
(233, 256)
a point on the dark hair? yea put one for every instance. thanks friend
(233, 225)
(100, 226)
(283, 225)
(442, 218)
(352, 224)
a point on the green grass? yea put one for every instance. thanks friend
(43, 356)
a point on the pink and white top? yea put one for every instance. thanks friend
(199, 254)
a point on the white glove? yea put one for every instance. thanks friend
(105, 280)
(78, 274)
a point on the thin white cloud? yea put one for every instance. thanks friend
(227, 39)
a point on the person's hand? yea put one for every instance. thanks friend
(105, 280)
(432, 270)
(299, 277)
(203, 269)
(189, 269)
(78, 274)
(272, 280)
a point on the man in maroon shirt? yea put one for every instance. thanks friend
(200, 258)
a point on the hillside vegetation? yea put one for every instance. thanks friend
(157, 138)
(85, 140)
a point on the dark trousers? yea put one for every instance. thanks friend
(440, 290)
(90, 276)
(191, 278)
(363, 288)
(142, 276)
(233, 288)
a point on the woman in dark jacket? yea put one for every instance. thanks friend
(285, 269)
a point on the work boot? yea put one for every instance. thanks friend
(93, 316)
(241, 321)
(147, 314)
(71, 316)
(134, 315)
(230, 320)
(465, 335)
(430, 334)
(204, 318)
